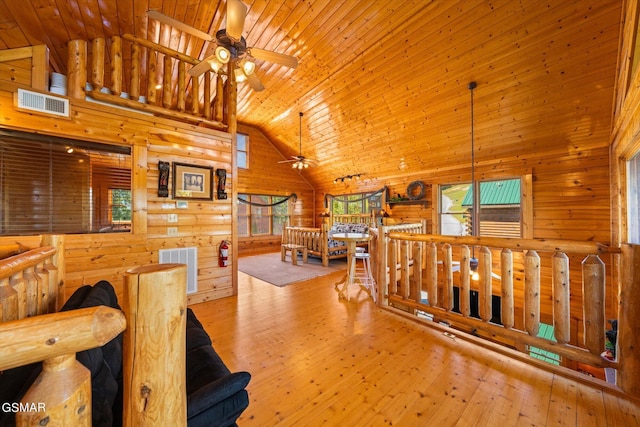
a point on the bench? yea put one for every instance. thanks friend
(293, 248)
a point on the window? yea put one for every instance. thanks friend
(57, 185)
(120, 207)
(633, 199)
(262, 215)
(359, 203)
(242, 150)
(499, 214)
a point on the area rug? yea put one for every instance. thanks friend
(269, 268)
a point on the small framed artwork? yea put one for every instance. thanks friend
(192, 182)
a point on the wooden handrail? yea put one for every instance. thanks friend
(162, 49)
(51, 335)
(12, 265)
(543, 245)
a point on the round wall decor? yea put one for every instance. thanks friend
(415, 190)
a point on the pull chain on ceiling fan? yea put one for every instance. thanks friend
(300, 162)
(230, 44)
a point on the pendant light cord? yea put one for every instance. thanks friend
(476, 203)
(300, 134)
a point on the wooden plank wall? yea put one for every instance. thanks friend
(93, 257)
(266, 176)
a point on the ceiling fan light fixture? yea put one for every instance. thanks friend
(222, 54)
(221, 57)
(240, 75)
(248, 67)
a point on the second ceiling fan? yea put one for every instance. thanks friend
(230, 44)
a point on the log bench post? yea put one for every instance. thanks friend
(154, 365)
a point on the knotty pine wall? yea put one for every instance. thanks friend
(93, 257)
(266, 176)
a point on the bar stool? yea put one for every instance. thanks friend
(362, 273)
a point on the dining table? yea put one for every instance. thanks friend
(352, 240)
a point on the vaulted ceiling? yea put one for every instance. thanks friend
(384, 84)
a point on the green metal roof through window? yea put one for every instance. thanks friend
(506, 192)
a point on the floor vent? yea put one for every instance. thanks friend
(43, 103)
(188, 256)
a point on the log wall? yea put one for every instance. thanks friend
(266, 176)
(92, 257)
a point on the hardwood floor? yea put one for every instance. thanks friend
(319, 360)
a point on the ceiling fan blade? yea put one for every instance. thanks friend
(154, 14)
(255, 82)
(236, 13)
(275, 57)
(202, 67)
(288, 161)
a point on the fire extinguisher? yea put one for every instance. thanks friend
(223, 254)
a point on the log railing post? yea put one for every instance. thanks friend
(152, 76)
(432, 274)
(63, 389)
(116, 65)
(593, 303)
(465, 286)
(416, 249)
(486, 288)
(561, 297)
(97, 63)
(393, 267)
(57, 263)
(8, 301)
(506, 275)
(629, 323)
(77, 68)
(167, 93)
(207, 95)
(182, 85)
(532, 292)
(134, 86)
(447, 269)
(19, 284)
(404, 269)
(195, 95)
(154, 363)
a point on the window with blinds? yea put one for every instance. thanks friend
(57, 185)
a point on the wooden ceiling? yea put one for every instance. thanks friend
(384, 84)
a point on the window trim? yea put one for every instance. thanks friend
(526, 200)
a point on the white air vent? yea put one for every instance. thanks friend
(42, 103)
(188, 256)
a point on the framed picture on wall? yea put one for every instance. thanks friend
(192, 182)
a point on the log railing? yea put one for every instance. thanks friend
(150, 86)
(30, 282)
(518, 277)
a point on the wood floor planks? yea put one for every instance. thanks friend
(318, 360)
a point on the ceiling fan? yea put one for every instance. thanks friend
(230, 45)
(300, 162)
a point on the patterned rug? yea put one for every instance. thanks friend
(271, 269)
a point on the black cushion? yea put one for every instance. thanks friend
(104, 363)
